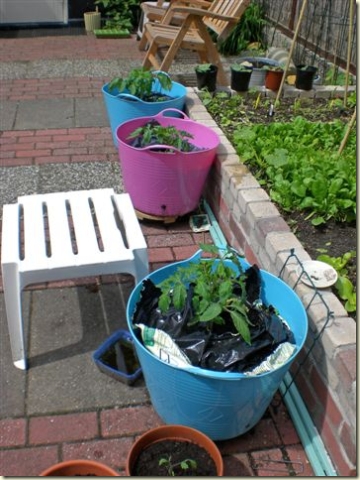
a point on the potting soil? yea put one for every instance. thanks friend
(175, 453)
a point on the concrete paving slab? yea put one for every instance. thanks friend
(7, 114)
(50, 69)
(75, 385)
(16, 181)
(12, 380)
(113, 297)
(80, 176)
(90, 112)
(67, 326)
(40, 114)
(13, 70)
(103, 68)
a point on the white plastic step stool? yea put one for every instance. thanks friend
(66, 235)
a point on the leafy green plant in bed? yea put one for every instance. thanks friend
(299, 164)
(343, 286)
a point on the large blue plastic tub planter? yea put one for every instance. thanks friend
(221, 405)
(123, 106)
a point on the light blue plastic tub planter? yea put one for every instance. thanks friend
(122, 106)
(221, 405)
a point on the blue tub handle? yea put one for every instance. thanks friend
(157, 86)
(173, 110)
(161, 71)
(128, 96)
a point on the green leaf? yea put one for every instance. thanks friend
(213, 311)
(279, 158)
(179, 296)
(164, 303)
(225, 289)
(318, 221)
(350, 304)
(344, 287)
(299, 188)
(241, 326)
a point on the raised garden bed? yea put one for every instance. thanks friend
(252, 224)
(333, 238)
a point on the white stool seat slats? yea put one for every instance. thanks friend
(66, 235)
(34, 231)
(10, 239)
(60, 237)
(108, 228)
(130, 222)
(85, 234)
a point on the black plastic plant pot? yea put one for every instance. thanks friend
(207, 80)
(240, 80)
(305, 77)
(117, 358)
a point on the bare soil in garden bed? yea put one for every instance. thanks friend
(334, 237)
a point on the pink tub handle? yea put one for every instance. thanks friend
(161, 146)
(174, 110)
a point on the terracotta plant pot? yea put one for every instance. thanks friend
(79, 467)
(179, 433)
(273, 79)
(257, 78)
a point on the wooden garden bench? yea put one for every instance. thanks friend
(193, 34)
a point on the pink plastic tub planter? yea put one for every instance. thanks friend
(169, 182)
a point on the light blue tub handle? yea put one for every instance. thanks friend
(128, 96)
(172, 110)
(161, 71)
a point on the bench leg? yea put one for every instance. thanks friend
(12, 295)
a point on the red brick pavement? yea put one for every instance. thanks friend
(29, 445)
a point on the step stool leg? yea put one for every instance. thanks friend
(12, 295)
(141, 264)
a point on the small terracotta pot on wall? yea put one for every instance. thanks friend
(83, 468)
(273, 79)
(173, 433)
